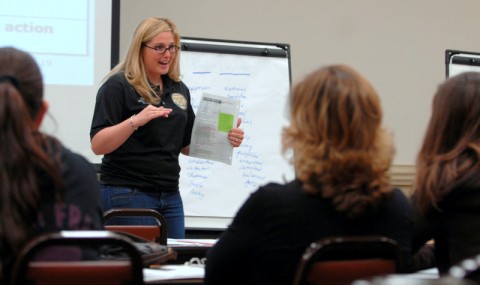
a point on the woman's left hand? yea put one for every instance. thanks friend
(236, 135)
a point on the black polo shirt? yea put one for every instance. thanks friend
(149, 157)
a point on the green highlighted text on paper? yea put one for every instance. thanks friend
(225, 122)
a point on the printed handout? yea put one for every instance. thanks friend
(215, 117)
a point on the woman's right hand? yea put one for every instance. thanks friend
(149, 113)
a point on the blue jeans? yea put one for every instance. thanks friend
(169, 204)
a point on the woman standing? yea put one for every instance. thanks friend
(143, 120)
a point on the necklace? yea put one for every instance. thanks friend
(158, 92)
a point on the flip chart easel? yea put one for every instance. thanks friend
(258, 74)
(461, 61)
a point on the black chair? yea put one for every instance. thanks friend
(156, 233)
(29, 269)
(342, 260)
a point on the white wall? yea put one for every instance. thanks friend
(398, 45)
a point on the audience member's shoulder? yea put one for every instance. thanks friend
(398, 194)
(278, 189)
(72, 161)
(399, 200)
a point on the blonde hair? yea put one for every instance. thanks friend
(339, 148)
(133, 66)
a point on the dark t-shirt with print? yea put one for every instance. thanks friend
(74, 207)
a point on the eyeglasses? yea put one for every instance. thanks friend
(162, 49)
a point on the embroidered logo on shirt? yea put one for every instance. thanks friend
(179, 100)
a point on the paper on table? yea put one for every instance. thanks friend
(215, 117)
(191, 242)
(173, 272)
(431, 273)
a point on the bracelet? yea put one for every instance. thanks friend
(131, 122)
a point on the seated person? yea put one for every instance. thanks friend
(44, 187)
(446, 201)
(341, 155)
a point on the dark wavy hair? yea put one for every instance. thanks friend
(24, 152)
(340, 150)
(451, 147)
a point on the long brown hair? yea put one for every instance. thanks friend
(24, 153)
(451, 147)
(340, 149)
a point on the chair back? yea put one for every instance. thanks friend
(156, 233)
(342, 260)
(29, 270)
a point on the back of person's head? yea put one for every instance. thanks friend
(23, 150)
(19, 72)
(133, 65)
(451, 146)
(340, 150)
